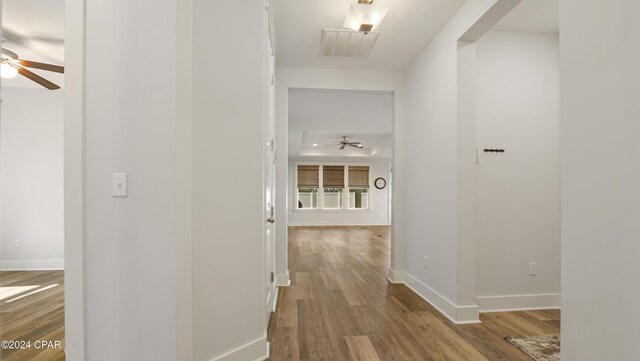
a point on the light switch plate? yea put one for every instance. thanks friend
(120, 184)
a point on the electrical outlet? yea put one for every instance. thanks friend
(18, 243)
(533, 269)
(426, 262)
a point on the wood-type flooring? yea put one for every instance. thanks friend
(340, 307)
(32, 312)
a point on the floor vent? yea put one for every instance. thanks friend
(347, 43)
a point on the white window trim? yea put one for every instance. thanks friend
(345, 193)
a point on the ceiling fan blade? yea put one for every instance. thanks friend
(356, 145)
(43, 66)
(342, 147)
(38, 79)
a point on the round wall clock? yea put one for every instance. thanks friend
(380, 183)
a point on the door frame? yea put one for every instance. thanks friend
(74, 181)
(270, 158)
(332, 79)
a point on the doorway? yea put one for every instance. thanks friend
(32, 204)
(301, 80)
(339, 156)
(508, 92)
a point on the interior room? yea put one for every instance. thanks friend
(31, 178)
(338, 180)
(508, 131)
(345, 129)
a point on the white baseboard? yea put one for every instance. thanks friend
(275, 301)
(505, 303)
(395, 276)
(283, 280)
(470, 314)
(466, 315)
(257, 350)
(32, 265)
(457, 314)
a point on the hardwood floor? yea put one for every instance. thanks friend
(340, 307)
(32, 317)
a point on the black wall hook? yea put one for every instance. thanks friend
(491, 150)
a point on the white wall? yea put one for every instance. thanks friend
(600, 88)
(518, 204)
(432, 171)
(378, 212)
(31, 172)
(296, 78)
(228, 199)
(184, 194)
(130, 127)
(156, 255)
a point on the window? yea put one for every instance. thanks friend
(308, 184)
(358, 187)
(333, 186)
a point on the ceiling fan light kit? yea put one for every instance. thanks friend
(7, 71)
(365, 16)
(11, 66)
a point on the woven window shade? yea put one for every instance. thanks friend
(359, 177)
(333, 176)
(308, 176)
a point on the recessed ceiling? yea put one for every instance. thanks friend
(323, 144)
(406, 30)
(34, 29)
(532, 15)
(324, 116)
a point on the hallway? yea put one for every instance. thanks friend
(341, 307)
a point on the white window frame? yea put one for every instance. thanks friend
(347, 188)
(345, 193)
(297, 195)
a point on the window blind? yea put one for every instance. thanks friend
(358, 177)
(308, 176)
(333, 176)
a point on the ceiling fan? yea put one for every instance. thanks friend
(11, 66)
(344, 142)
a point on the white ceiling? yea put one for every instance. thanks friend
(532, 15)
(325, 116)
(406, 30)
(34, 29)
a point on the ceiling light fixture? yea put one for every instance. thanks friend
(315, 144)
(7, 71)
(364, 16)
(11, 66)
